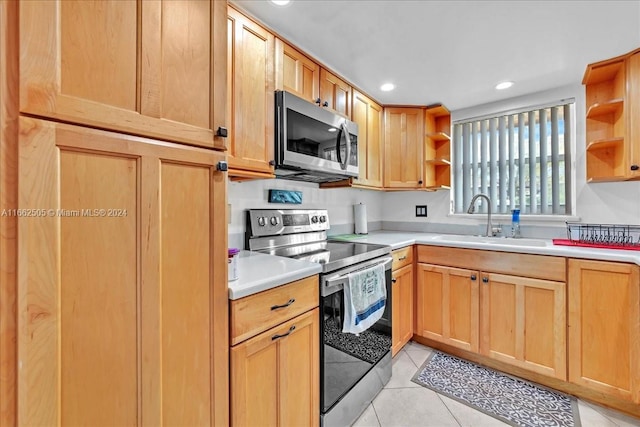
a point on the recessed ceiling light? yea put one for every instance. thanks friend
(387, 87)
(280, 2)
(504, 85)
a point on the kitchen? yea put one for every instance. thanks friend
(156, 180)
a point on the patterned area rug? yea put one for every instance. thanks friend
(508, 399)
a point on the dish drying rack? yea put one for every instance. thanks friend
(612, 235)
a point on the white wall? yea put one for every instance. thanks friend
(617, 203)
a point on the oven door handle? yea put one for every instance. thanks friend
(341, 277)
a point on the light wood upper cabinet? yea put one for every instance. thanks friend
(604, 327)
(122, 285)
(335, 93)
(437, 146)
(147, 68)
(369, 117)
(251, 100)
(613, 105)
(296, 72)
(302, 76)
(403, 147)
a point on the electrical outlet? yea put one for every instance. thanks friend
(421, 210)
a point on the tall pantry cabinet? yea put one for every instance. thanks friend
(116, 292)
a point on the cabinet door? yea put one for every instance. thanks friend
(524, 323)
(368, 115)
(139, 67)
(122, 292)
(296, 73)
(335, 92)
(633, 142)
(275, 375)
(403, 147)
(250, 98)
(402, 308)
(448, 305)
(604, 327)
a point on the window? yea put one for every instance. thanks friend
(520, 160)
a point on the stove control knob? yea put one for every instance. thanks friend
(323, 219)
(262, 221)
(314, 219)
(274, 220)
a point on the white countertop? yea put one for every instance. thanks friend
(401, 239)
(258, 272)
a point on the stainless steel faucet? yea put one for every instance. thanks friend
(472, 209)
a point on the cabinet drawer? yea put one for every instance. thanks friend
(402, 257)
(259, 312)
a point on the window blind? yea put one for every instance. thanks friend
(521, 160)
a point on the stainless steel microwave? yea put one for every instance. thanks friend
(313, 144)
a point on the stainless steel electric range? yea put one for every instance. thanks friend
(353, 368)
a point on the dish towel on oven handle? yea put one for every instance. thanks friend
(365, 297)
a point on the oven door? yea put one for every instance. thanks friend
(345, 357)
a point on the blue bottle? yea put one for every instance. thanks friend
(515, 223)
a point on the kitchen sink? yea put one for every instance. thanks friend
(492, 240)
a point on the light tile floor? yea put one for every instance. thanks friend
(404, 403)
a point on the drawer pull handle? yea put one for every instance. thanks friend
(288, 303)
(291, 329)
(402, 258)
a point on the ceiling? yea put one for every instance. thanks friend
(454, 52)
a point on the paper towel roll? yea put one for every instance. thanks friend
(360, 216)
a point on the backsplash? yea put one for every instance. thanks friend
(338, 201)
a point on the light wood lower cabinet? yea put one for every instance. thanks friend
(402, 308)
(524, 322)
(512, 318)
(122, 285)
(275, 365)
(448, 305)
(604, 327)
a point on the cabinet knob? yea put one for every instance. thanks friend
(473, 277)
(317, 101)
(394, 280)
(222, 166)
(420, 182)
(222, 132)
(635, 167)
(272, 162)
(325, 104)
(485, 280)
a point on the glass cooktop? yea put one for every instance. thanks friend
(332, 254)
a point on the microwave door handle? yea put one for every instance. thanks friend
(347, 140)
